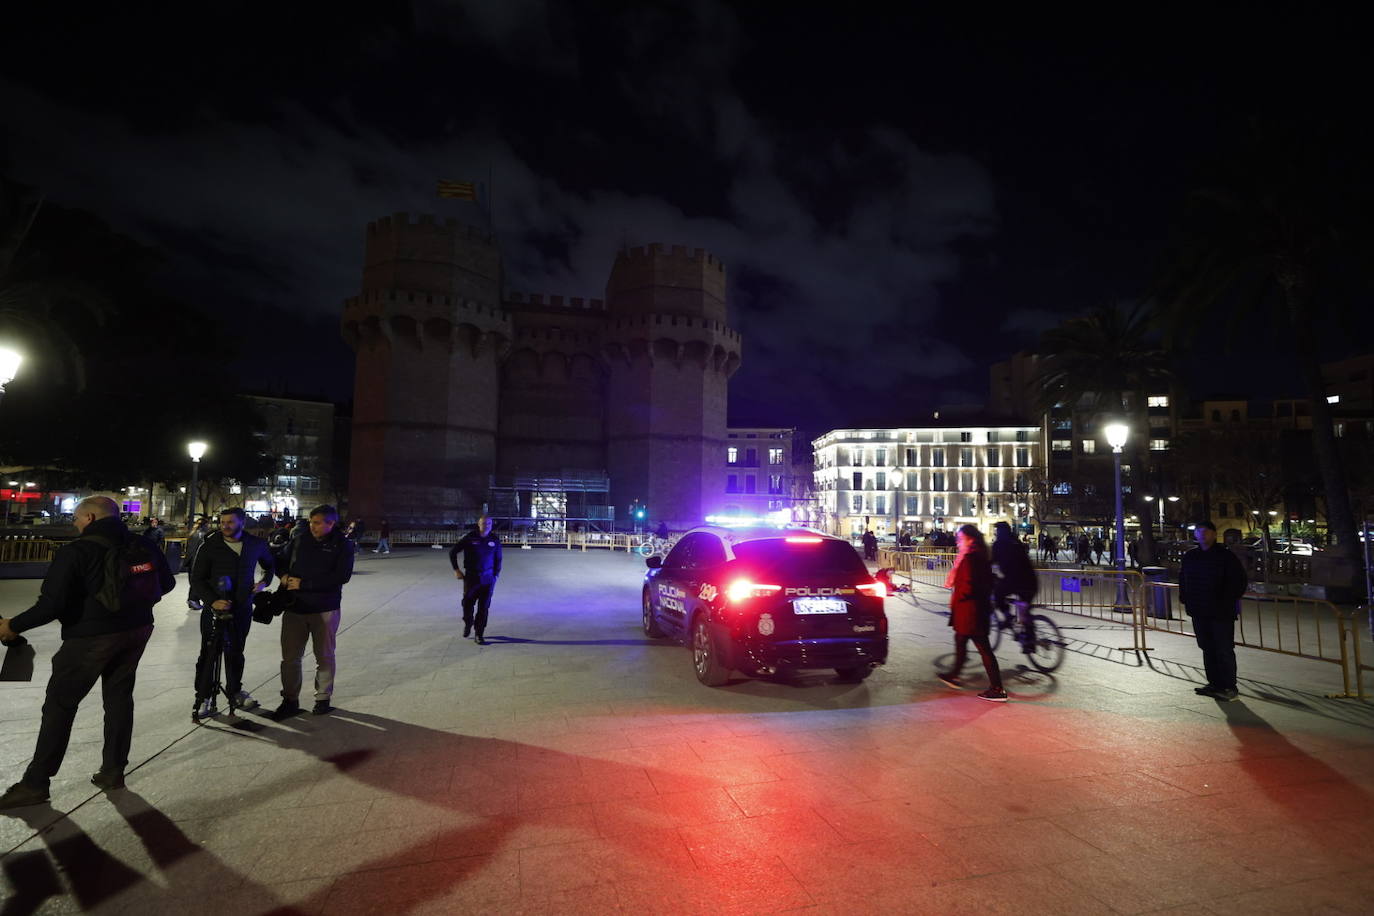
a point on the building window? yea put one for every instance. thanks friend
(775, 483)
(937, 457)
(1158, 445)
(1235, 415)
(992, 436)
(994, 506)
(994, 480)
(910, 456)
(965, 457)
(1063, 423)
(880, 505)
(911, 505)
(1089, 446)
(1063, 488)
(966, 437)
(732, 483)
(881, 459)
(749, 483)
(732, 455)
(937, 480)
(1023, 458)
(1221, 510)
(882, 480)
(1023, 435)
(751, 457)
(858, 479)
(775, 456)
(1061, 445)
(994, 457)
(858, 504)
(937, 506)
(1157, 400)
(966, 481)
(1216, 416)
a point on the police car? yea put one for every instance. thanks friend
(764, 599)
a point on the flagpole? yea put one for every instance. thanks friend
(491, 201)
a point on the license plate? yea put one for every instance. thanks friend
(819, 606)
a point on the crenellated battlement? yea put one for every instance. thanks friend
(391, 298)
(659, 251)
(403, 222)
(573, 302)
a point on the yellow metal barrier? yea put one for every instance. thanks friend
(28, 550)
(1299, 627)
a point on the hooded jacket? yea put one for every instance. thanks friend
(970, 597)
(324, 567)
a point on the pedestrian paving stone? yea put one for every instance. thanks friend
(573, 766)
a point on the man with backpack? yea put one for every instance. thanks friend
(102, 587)
(236, 555)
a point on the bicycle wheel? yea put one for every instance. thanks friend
(995, 630)
(645, 549)
(1046, 644)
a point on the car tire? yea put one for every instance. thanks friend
(651, 628)
(705, 655)
(854, 675)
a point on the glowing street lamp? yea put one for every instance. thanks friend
(195, 450)
(10, 359)
(1117, 434)
(1172, 499)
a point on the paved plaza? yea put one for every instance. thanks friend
(572, 765)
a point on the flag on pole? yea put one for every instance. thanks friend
(458, 190)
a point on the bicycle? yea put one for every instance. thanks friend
(653, 546)
(1039, 637)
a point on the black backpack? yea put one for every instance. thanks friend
(132, 577)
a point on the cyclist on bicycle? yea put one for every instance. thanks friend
(1015, 579)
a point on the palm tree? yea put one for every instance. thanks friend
(1106, 363)
(1285, 220)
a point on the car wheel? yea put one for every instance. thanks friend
(854, 675)
(651, 629)
(705, 658)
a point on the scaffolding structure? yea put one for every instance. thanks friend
(573, 500)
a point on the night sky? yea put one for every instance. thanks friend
(900, 200)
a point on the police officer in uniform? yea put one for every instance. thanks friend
(481, 568)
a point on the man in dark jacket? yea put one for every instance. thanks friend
(229, 552)
(1210, 585)
(317, 566)
(1015, 576)
(481, 552)
(98, 644)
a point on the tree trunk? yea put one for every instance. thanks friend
(1340, 522)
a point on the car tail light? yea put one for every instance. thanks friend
(874, 589)
(803, 540)
(742, 589)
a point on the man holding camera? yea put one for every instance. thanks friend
(317, 565)
(229, 553)
(105, 627)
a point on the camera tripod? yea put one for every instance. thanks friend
(221, 631)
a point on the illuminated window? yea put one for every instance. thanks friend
(1023, 457)
(992, 435)
(966, 481)
(1063, 488)
(775, 456)
(881, 457)
(732, 455)
(1158, 445)
(1333, 399)
(882, 480)
(937, 457)
(1157, 400)
(911, 505)
(1089, 446)
(775, 483)
(937, 480)
(994, 456)
(1023, 435)
(965, 457)
(858, 504)
(994, 480)
(1061, 445)
(880, 505)
(937, 506)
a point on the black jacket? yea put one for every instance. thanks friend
(323, 566)
(1211, 582)
(481, 558)
(215, 559)
(75, 576)
(1018, 575)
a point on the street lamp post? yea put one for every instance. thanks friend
(9, 367)
(1116, 437)
(195, 450)
(1161, 499)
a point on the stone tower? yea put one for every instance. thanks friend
(670, 354)
(429, 332)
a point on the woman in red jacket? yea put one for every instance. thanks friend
(970, 611)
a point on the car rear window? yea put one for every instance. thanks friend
(791, 561)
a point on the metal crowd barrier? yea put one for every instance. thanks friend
(1297, 627)
(28, 550)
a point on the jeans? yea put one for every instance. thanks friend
(111, 659)
(383, 545)
(984, 650)
(477, 595)
(321, 630)
(1216, 637)
(237, 638)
